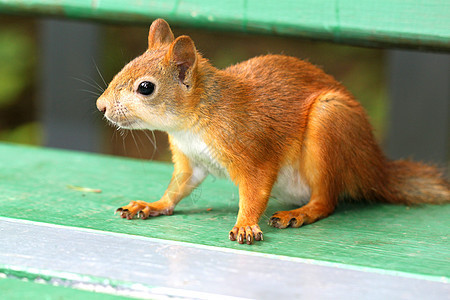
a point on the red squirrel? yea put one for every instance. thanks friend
(275, 125)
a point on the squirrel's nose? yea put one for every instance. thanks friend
(101, 105)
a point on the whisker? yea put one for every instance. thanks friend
(96, 83)
(96, 86)
(152, 141)
(91, 92)
(145, 130)
(98, 71)
(137, 146)
(155, 148)
(132, 135)
(123, 133)
(114, 136)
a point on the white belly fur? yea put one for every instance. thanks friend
(198, 152)
(289, 188)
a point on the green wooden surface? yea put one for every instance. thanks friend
(34, 186)
(419, 23)
(13, 289)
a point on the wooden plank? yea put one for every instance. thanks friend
(16, 289)
(36, 184)
(420, 24)
(152, 268)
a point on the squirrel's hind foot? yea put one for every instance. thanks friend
(307, 214)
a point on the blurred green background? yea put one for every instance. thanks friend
(361, 70)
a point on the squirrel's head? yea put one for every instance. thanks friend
(157, 89)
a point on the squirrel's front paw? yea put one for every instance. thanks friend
(143, 210)
(247, 233)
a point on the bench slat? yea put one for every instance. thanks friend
(54, 186)
(412, 24)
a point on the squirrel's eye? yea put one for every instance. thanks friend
(146, 88)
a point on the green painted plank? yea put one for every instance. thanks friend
(421, 24)
(12, 289)
(34, 186)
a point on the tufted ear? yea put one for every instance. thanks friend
(159, 34)
(183, 53)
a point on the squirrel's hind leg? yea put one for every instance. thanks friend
(331, 146)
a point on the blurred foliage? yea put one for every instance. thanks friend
(16, 55)
(28, 133)
(18, 52)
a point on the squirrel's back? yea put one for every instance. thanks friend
(275, 72)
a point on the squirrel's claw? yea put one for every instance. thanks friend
(285, 219)
(247, 234)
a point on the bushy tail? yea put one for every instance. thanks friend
(416, 183)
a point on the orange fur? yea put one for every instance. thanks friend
(253, 121)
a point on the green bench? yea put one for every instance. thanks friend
(58, 233)
(415, 24)
(79, 191)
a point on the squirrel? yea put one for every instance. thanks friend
(275, 125)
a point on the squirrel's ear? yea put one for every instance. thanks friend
(183, 53)
(159, 34)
